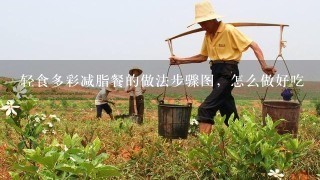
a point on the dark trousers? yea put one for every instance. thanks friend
(140, 106)
(104, 107)
(220, 98)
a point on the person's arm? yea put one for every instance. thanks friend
(130, 88)
(109, 101)
(174, 60)
(143, 89)
(269, 70)
(106, 99)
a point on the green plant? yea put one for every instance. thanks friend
(69, 160)
(194, 127)
(18, 115)
(64, 103)
(125, 125)
(34, 159)
(53, 104)
(245, 150)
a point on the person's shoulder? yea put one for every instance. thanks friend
(229, 28)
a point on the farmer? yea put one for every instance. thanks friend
(136, 90)
(102, 101)
(224, 45)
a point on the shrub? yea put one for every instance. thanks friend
(35, 159)
(245, 150)
(69, 160)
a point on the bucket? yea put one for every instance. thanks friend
(174, 120)
(290, 111)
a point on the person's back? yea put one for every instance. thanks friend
(101, 97)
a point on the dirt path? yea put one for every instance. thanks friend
(4, 174)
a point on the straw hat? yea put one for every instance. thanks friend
(110, 87)
(135, 68)
(204, 12)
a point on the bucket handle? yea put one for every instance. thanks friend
(294, 87)
(165, 88)
(282, 45)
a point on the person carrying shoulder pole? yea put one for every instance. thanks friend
(224, 45)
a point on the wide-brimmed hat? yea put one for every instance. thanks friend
(110, 87)
(204, 12)
(135, 68)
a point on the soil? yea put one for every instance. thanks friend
(4, 174)
(302, 175)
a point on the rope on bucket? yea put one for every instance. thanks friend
(281, 46)
(184, 84)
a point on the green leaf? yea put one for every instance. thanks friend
(29, 169)
(304, 145)
(77, 158)
(38, 130)
(107, 171)
(67, 140)
(67, 168)
(47, 175)
(203, 139)
(211, 137)
(250, 138)
(31, 138)
(75, 151)
(21, 145)
(73, 141)
(100, 158)
(76, 140)
(293, 144)
(15, 175)
(96, 145)
(28, 105)
(276, 123)
(55, 143)
(257, 158)
(13, 124)
(29, 152)
(216, 170)
(233, 154)
(87, 166)
(49, 160)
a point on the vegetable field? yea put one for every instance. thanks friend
(45, 138)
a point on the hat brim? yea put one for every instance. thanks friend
(207, 18)
(139, 71)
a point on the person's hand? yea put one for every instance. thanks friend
(174, 60)
(269, 70)
(143, 90)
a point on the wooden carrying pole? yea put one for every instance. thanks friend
(235, 24)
